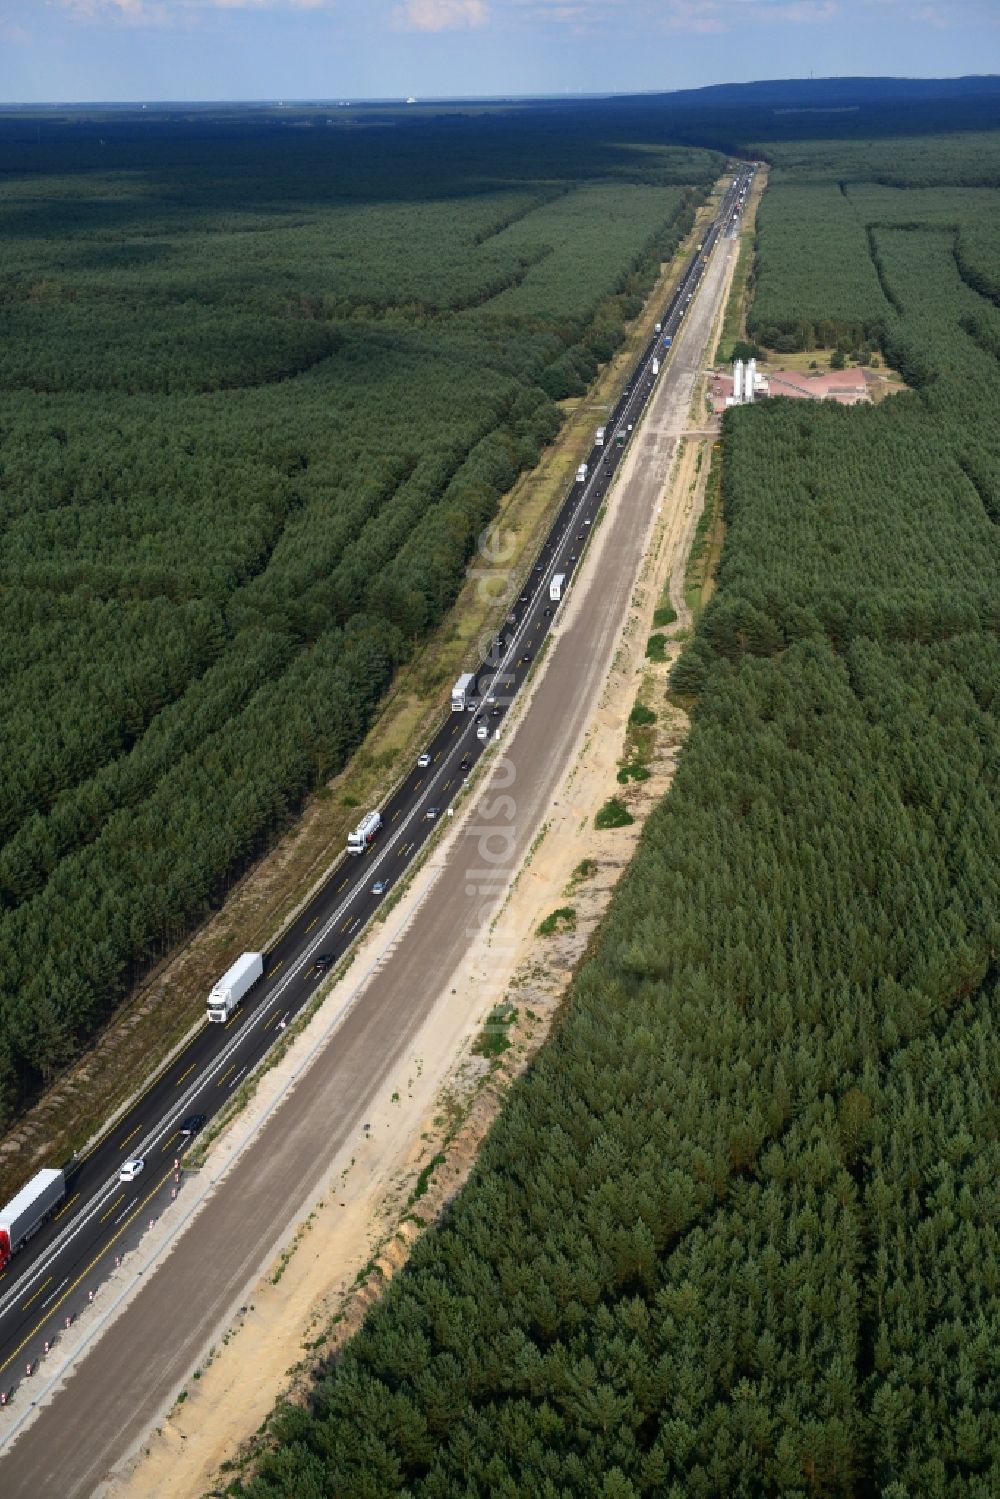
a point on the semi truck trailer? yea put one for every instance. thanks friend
(463, 692)
(234, 985)
(556, 587)
(28, 1211)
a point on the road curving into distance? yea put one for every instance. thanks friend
(141, 1360)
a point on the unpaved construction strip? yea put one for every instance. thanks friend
(386, 1062)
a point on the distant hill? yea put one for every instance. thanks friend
(833, 93)
(729, 116)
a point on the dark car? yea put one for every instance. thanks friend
(525, 659)
(546, 612)
(192, 1124)
(323, 961)
(466, 762)
(496, 712)
(524, 598)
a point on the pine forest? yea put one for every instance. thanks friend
(262, 383)
(736, 1231)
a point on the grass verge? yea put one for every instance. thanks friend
(706, 548)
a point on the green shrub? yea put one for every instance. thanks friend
(562, 920)
(614, 814)
(633, 771)
(493, 1040)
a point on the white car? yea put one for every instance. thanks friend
(423, 761)
(131, 1169)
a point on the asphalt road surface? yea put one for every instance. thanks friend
(143, 1358)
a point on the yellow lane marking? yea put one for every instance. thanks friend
(116, 1204)
(228, 1070)
(182, 1077)
(167, 1143)
(83, 1274)
(41, 1288)
(312, 924)
(136, 1100)
(65, 1207)
(132, 1136)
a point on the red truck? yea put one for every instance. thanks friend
(28, 1211)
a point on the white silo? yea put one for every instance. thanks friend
(738, 382)
(751, 380)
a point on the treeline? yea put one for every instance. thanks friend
(735, 1232)
(262, 393)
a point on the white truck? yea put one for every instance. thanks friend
(28, 1211)
(463, 692)
(581, 474)
(656, 366)
(234, 985)
(364, 834)
(599, 437)
(556, 587)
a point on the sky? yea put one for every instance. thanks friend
(147, 50)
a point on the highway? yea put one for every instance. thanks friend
(54, 1275)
